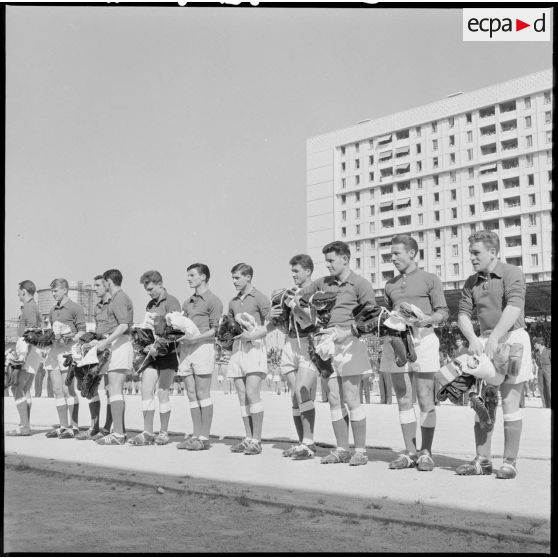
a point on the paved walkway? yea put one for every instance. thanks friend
(518, 508)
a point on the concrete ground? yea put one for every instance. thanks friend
(518, 509)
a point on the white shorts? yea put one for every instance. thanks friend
(55, 359)
(247, 358)
(526, 368)
(351, 358)
(198, 359)
(295, 357)
(33, 360)
(428, 355)
(122, 354)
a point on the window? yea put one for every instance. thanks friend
(357, 229)
(507, 107)
(417, 131)
(436, 215)
(454, 232)
(421, 236)
(372, 210)
(530, 180)
(357, 213)
(372, 261)
(434, 127)
(357, 147)
(436, 180)
(486, 112)
(421, 254)
(419, 183)
(357, 163)
(372, 243)
(372, 278)
(358, 263)
(451, 121)
(529, 160)
(471, 172)
(547, 97)
(471, 210)
(473, 228)
(535, 277)
(437, 234)
(343, 183)
(527, 122)
(549, 176)
(343, 166)
(420, 219)
(371, 159)
(357, 196)
(387, 275)
(419, 148)
(532, 219)
(343, 215)
(534, 239)
(371, 177)
(452, 141)
(548, 136)
(469, 136)
(452, 158)
(387, 224)
(549, 157)
(547, 117)
(455, 250)
(529, 141)
(436, 197)
(471, 191)
(434, 145)
(342, 150)
(534, 259)
(419, 201)
(403, 221)
(527, 102)
(469, 117)
(372, 227)
(370, 142)
(456, 269)
(386, 258)
(454, 212)
(438, 251)
(439, 270)
(372, 192)
(435, 162)
(357, 180)
(532, 199)
(453, 194)
(419, 166)
(343, 232)
(343, 198)
(386, 189)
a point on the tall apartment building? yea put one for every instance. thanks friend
(478, 160)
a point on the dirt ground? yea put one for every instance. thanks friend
(55, 512)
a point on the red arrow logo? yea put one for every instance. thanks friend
(519, 25)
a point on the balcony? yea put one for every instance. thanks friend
(507, 107)
(512, 225)
(508, 126)
(386, 173)
(488, 187)
(487, 112)
(510, 164)
(512, 241)
(508, 145)
(513, 251)
(512, 204)
(490, 206)
(510, 183)
(488, 131)
(489, 149)
(491, 225)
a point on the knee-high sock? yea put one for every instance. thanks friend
(108, 419)
(339, 421)
(408, 421)
(206, 408)
(117, 407)
(358, 426)
(23, 410)
(95, 411)
(195, 411)
(308, 418)
(257, 413)
(148, 406)
(246, 419)
(483, 440)
(164, 414)
(427, 427)
(73, 408)
(62, 409)
(297, 419)
(513, 425)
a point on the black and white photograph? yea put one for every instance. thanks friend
(277, 278)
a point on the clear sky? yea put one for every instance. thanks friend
(152, 138)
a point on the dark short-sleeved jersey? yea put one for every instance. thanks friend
(103, 321)
(116, 310)
(30, 317)
(204, 310)
(254, 303)
(69, 313)
(162, 306)
(420, 288)
(489, 294)
(353, 291)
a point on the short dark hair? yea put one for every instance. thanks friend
(243, 269)
(60, 282)
(304, 260)
(29, 286)
(97, 277)
(151, 276)
(489, 238)
(339, 247)
(201, 268)
(114, 275)
(407, 240)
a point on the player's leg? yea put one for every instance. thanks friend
(149, 378)
(22, 406)
(305, 392)
(403, 387)
(339, 421)
(108, 417)
(290, 378)
(72, 400)
(240, 386)
(166, 377)
(193, 402)
(253, 398)
(203, 395)
(61, 405)
(513, 423)
(116, 381)
(94, 411)
(425, 397)
(351, 393)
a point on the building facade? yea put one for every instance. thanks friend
(478, 160)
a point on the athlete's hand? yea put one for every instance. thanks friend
(101, 346)
(275, 312)
(475, 346)
(185, 341)
(491, 346)
(246, 336)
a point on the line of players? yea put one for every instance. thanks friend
(496, 291)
